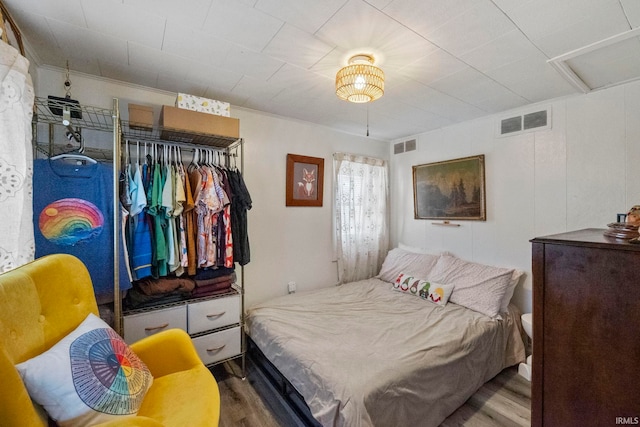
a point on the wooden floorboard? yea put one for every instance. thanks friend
(505, 401)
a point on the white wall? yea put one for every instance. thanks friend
(578, 174)
(287, 243)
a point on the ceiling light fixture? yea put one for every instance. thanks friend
(360, 81)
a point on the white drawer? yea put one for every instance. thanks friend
(213, 313)
(137, 326)
(218, 346)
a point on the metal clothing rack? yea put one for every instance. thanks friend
(108, 120)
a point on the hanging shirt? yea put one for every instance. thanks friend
(73, 214)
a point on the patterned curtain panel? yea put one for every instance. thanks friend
(361, 211)
(16, 160)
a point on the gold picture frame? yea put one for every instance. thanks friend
(450, 190)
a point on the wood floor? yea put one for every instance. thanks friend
(505, 401)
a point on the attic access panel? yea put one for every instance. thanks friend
(603, 64)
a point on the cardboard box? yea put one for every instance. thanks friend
(140, 117)
(180, 125)
(203, 105)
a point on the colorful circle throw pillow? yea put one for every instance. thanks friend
(88, 377)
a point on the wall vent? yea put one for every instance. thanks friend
(410, 145)
(398, 148)
(528, 122)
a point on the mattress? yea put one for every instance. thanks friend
(362, 354)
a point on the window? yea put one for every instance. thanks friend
(361, 215)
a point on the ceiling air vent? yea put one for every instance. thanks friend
(410, 145)
(537, 120)
(398, 148)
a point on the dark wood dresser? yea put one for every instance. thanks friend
(586, 330)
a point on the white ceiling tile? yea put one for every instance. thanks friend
(212, 77)
(468, 85)
(297, 47)
(145, 57)
(79, 41)
(256, 88)
(502, 101)
(360, 28)
(433, 67)
(473, 28)
(532, 79)
(249, 63)
(40, 37)
(69, 11)
(123, 21)
(425, 16)
(192, 15)
(511, 47)
(632, 11)
(436, 102)
(184, 40)
(308, 15)
(178, 85)
(127, 73)
(329, 65)
(245, 26)
(291, 76)
(582, 33)
(539, 18)
(379, 4)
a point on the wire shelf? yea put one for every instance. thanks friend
(82, 116)
(135, 131)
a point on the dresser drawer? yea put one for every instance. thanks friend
(218, 346)
(213, 313)
(137, 326)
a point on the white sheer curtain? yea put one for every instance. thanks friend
(361, 215)
(16, 160)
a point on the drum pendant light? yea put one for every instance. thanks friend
(360, 81)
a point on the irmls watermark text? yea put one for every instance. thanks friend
(627, 420)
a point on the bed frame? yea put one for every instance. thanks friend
(281, 384)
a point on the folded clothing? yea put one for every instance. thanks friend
(215, 288)
(213, 281)
(163, 285)
(136, 299)
(212, 273)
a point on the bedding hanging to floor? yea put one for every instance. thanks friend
(16, 159)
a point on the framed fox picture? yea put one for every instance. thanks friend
(305, 176)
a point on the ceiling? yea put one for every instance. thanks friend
(445, 61)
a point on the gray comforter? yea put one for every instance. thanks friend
(362, 354)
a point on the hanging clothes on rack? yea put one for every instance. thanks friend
(73, 213)
(240, 205)
(188, 210)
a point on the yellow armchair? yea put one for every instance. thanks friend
(43, 301)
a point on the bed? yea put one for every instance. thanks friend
(369, 354)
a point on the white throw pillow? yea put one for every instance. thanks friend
(513, 282)
(88, 377)
(402, 261)
(477, 286)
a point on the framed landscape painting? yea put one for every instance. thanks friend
(451, 189)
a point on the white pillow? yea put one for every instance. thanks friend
(88, 377)
(403, 261)
(515, 279)
(433, 292)
(479, 287)
(414, 249)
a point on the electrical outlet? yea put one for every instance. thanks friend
(292, 287)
